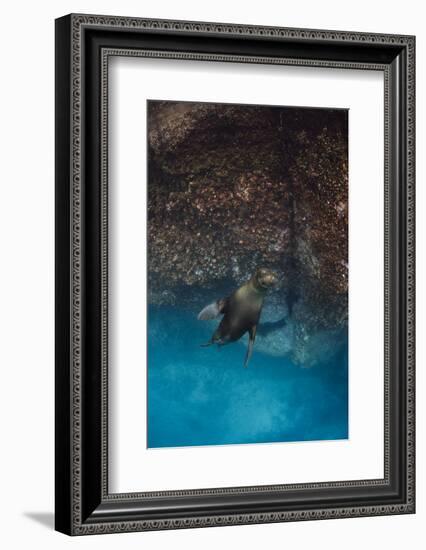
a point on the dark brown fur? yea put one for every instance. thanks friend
(241, 310)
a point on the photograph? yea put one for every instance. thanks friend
(234, 271)
(247, 273)
(209, 279)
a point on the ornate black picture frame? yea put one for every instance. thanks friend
(84, 44)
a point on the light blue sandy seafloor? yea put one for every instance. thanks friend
(204, 396)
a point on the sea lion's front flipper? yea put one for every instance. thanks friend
(213, 310)
(252, 336)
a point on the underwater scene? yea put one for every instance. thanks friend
(247, 274)
(199, 396)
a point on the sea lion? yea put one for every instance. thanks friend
(241, 311)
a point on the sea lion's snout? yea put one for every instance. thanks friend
(266, 278)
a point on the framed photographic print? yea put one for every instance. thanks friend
(234, 274)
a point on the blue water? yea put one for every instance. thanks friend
(204, 396)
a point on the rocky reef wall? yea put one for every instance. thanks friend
(233, 187)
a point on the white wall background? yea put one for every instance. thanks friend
(26, 289)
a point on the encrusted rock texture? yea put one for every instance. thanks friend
(234, 187)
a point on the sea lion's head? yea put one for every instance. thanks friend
(265, 278)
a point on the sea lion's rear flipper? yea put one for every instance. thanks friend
(252, 336)
(207, 344)
(216, 339)
(213, 310)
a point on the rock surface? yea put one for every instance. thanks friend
(234, 187)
